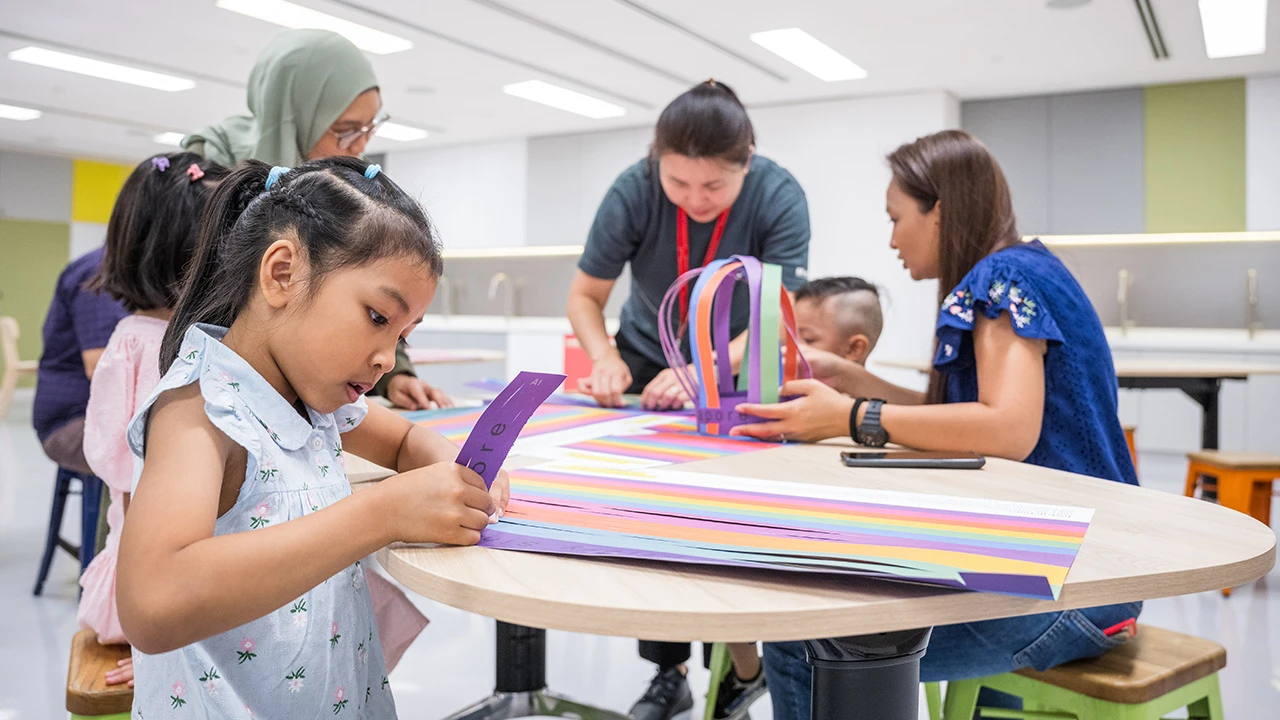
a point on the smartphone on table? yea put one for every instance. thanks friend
(927, 459)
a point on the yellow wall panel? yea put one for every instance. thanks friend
(94, 186)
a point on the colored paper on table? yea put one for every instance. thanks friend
(629, 402)
(456, 423)
(670, 447)
(1012, 548)
(500, 423)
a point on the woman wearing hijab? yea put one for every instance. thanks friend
(312, 94)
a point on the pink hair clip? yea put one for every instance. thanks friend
(194, 172)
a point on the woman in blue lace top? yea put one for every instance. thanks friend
(1022, 371)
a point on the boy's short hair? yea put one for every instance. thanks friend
(857, 306)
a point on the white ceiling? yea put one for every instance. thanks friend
(636, 53)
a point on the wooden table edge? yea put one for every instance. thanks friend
(555, 614)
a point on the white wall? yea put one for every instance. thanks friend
(1262, 153)
(86, 236)
(475, 194)
(569, 175)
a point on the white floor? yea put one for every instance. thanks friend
(451, 664)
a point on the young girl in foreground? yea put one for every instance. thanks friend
(239, 584)
(150, 239)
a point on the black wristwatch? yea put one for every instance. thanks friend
(870, 433)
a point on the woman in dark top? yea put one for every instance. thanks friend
(702, 194)
(1022, 371)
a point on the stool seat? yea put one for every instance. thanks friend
(1152, 665)
(1237, 460)
(87, 690)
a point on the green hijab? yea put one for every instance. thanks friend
(302, 82)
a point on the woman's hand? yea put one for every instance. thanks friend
(610, 377)
(408, 392)
(664, 392)
(819, 413)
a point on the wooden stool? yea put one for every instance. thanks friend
(1153, 674)
(88, 694)
(1129, 431)
(1243, 478)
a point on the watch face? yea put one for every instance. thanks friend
(875, 438)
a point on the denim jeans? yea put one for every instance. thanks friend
(969, 650)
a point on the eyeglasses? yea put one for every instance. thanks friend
(347, 138)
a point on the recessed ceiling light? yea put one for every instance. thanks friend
(287, 14)
(1234, 27)
(564, 99)
(403, 133)
(168, 138)
(99, 69)
(809, 54)
(13, 112)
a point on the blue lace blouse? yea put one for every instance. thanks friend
(1031, 287)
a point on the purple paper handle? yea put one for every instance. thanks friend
(755, 277)
(671, 340)
(723, 308)
(490, 441)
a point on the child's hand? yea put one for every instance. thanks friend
(123, 673)
(500, 491)
(442, 503)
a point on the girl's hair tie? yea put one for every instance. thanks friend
(275, 174)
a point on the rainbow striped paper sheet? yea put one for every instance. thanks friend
(670, 447)
(663, 514)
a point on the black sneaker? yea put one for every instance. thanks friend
(735, 696)
(668, 696)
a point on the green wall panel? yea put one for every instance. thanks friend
(32, 254)
(1195, 156)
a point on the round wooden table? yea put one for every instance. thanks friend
(1141, 544)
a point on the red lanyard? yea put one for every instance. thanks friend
(682, 251)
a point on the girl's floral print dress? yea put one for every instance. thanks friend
(317, 656)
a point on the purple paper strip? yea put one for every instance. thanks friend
(500, 424)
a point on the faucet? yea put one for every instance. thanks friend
(1124, 284)
(1252, 322)
(509, 300)
(444, 286)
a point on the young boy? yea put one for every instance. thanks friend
(840, 315)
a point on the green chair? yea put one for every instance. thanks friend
(720, 666)
(1153, 674)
